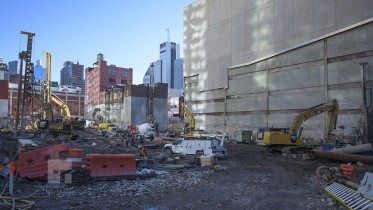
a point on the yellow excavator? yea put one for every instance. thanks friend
(292, 136)
(190, 128)
(94, 124)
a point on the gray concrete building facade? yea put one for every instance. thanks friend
(283, 56)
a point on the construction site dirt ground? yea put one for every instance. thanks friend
(250, 178)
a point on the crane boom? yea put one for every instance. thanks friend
(48, 94)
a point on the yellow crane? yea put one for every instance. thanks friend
(48, 93)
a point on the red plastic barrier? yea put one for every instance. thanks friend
(75, 157)
(34, 164)
(110, 164)
(348, 171)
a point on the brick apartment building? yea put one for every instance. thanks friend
(101, 76)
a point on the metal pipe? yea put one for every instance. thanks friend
(341, 156)
(363, 104)
(354, 149)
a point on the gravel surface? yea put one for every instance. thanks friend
(250, 178)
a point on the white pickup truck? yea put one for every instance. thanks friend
(196, 146)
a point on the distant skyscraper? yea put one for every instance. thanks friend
(72, 74)
(169, 69)
(39, 71)
(13, 67)
(168, 53)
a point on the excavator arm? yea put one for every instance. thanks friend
(189, 115)
(61, 104)
(95, 112)
(331, 107)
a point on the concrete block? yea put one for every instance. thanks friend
(225, 46)
(283, 29)
(301, 6)
(348, 12)
(251, 4)
(344, 72)
(224, 63)
(238, 31)
(266, 35)
(303, 23)
(252, 102)
(266, 11)
(259, 66)
(225, 9)
(293, 99)
(213, 34)
(311, 52)
(283, 45)
(238, 57)
(210, 107)
(350, 42)
(238, 6)
(349, 98)
(283, 9)
(324, 16)
(248, 83)
(295, 77)
(212, 51)
(196, 95)
(213, 12)
(249, 121)
(367, 6)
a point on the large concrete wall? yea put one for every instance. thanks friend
(222, 33)
(272, 91)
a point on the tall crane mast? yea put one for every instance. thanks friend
(25, 56)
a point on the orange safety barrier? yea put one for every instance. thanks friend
(75, 157)
(101, 165)
(34, 164)
(348, 171)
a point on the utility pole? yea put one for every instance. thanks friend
(151, 114)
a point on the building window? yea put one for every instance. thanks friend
(124, 74)
(124, 82)
(111, 72)
(112, 80)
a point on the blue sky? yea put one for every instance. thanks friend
(127, 32)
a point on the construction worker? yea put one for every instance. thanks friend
(143, 151)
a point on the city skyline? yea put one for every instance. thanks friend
(128, 33)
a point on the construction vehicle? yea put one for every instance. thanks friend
(189, 128)
(108, 126)
(292, 136)
(47, 122)
(94, 124)
(209, 146)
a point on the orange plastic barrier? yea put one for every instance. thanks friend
(34, 164)
(75, 157)
(101, 165)
(348, 171)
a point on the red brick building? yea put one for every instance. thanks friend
(100, 77)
